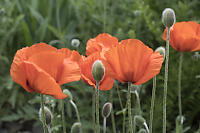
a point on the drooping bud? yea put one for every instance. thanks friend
(75, 43)
(76, 128)
(168, 17)
(107, 108)
(161, 50)
(139, 120)
(48, 115)
(68, 93)
(98, 70)
(142, 131)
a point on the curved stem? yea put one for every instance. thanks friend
(43, 114)
(104, 125)
(63, 116)
(179, 89)
(49, 128)
(138, 101)
(152, 104)
(165, 81)
(129, 108)
(146, 127)
(97, 107)
(76, 109)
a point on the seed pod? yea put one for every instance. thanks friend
(107, 108)
(76, 128)
(68, 93)
(98, 70)
(168, 17)
(48, 115)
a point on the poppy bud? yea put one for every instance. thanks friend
(139, 120)
(48, 115)
(68, 93)
(76, 128)
(161, 50)
(107, 107)
(168, 17)
(75, 43)
(142, 131)
(98, 70)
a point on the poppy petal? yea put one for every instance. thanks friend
(17, 70)
(42, 82)
(152, 69)
(70, 72)
(102, 42)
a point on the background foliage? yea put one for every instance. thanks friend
(25, 22)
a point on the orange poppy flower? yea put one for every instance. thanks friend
(184, 36)
(86, 64)
(43, 68)
(102, 42)
(132, 61)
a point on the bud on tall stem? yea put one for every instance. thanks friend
(168, 19)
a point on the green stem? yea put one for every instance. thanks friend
(129, 108)
(63, 115)
(146, 127)
(76, 109)
(97, 107)
(43, 114)
(179, 89)
(165, 82)
(93, 111)
(138, 101)
(112, 113)
(124, 113)
(152, 104)
(104, 125)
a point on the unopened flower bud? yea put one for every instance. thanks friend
(142, 131)
(98, 70)
(76, 128)
(107, 108)
(75, 43)
(48, 115)
(139, 120)
(168, 17)
(68, 93)
(161, 50)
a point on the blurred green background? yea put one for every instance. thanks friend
(57, 22)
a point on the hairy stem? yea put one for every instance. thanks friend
(179, 89)
(165, 82)
(43, 114)
(97, 107)
(63, 116)
(104, 125)
(129, 108)
(152, 104)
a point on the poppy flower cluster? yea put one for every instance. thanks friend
(43, 68)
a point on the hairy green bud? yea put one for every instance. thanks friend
(107, 108)
(98, 70)
(168, 17)
(48, 115)
(68, 93)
